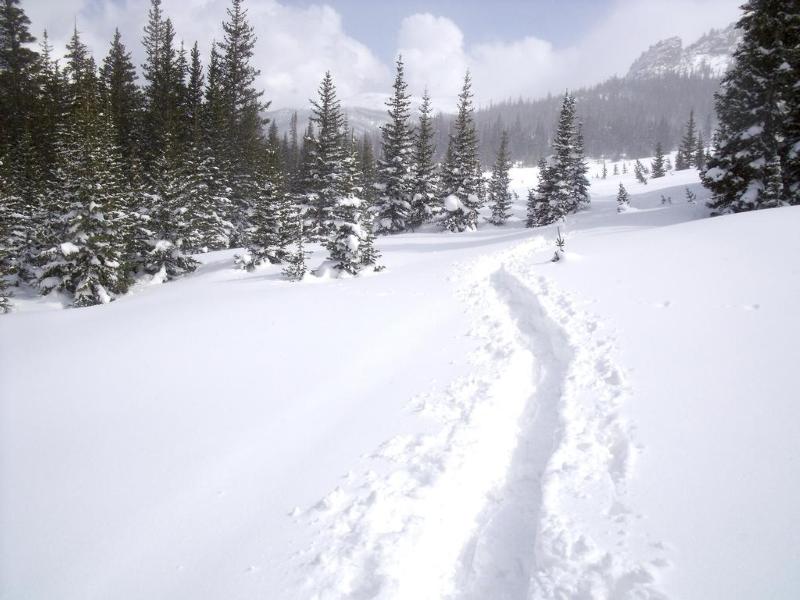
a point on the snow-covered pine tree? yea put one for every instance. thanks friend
(216, 155)
(395, 168)
(691, 197)
(579, 183)
(295, 268)
(541, 210)
(499, 194)
(87, 255)
(658, 165)
(755, 161)
(242, 111)
(686, 151)
(462, 183)
(270, 235)
(638, 171)
(169, 219)
(624, 168)
(605, 170)
(565, 196)
(616, 169)
(327, 161)
(668, 163)
(9, 205)
(623, 201)
(425, 188)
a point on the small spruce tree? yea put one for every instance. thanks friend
(658, 165)
(623, 202)
(638, 171)
(499, 194)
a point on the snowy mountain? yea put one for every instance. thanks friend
(710, 55)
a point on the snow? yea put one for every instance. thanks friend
(477, 422)
(452, 203)
(68, 248)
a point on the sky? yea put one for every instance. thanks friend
(513, 48)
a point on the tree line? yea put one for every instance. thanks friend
(104, 178)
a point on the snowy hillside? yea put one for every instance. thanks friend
(711, 54)
(474, 422)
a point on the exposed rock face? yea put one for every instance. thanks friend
(711, 54)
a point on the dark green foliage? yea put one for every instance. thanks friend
(395, 169)
(121, 98)
(499, 193)
(19, 67)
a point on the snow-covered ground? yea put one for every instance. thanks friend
(474, 422)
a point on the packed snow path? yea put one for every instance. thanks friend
(496, 504)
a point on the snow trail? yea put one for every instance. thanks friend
(520, 494)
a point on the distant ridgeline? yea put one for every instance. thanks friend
(620, 116)
(624, 115)
(627, 115)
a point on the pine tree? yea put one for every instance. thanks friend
(170, 221)
(272, 217)
(658, 164)
(395, 175)
(18, 71)
(638, 171)
(754, 164)
(87, 256)
(121, 97)
(700, 153)
(295, 269)
(426, 182)
(686, 151)
(623, 201)
(668, 163)
(616, 169)
(461, 175)
(327, 161)
(605, 170)
(579, 184)
(542, 207)
(499, 194)
(624, 168)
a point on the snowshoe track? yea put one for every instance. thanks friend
(520, 494)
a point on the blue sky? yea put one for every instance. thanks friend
(561, 22)
(514, 48)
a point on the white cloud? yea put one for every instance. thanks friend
(436, 55)
(295, 45)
